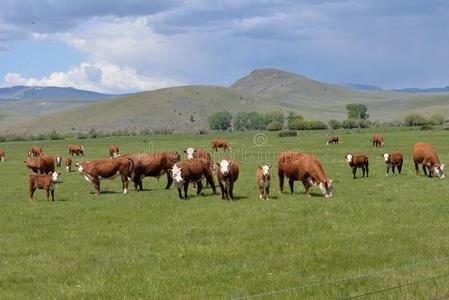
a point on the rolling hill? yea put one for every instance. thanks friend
(49, 93)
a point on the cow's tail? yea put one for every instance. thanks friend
(130, 168)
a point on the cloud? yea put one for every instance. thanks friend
(101, 77)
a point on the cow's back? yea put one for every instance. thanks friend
(422, 151)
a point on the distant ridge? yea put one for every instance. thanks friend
(362, 87)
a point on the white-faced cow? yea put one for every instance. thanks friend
(96, 170)
(113, 151)
(358, 161)
(227, 175)
(58, 161)
(392, 160)
(426, 155)
(263, 177)
(68, 164)
(45, 182)
(2, 155)
(332, 140)
(35, 151)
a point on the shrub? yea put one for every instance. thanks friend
(315, 125)
(220, 121)
(349, 124)
(274, 126)
(415, 120)
(296, 124)
(436, 119)
(334, 124)
(287, 133)
(426, 127)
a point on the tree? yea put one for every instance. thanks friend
(241, 121)
(348, 124)
(292, 119)
(296, 124)
(436, 119)
(315, 125)
(334, 124)
(272, 116)
(357, 111)
(415, 120)
(220, 120)
(256, 121)
(274, 126)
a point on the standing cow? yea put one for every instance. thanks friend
(186, 171)
(96, 170)
(58, 161)
(392, 160)
(263, 178)
(378, 140)
(358, 161)
(284, 160)
(227, 175)
(35, 151)
(2, 155)
(193, 153)
(220, 144)
(113, 151)
(68, 164)
(426, 155)
(43, 164)
(76, 149)
(45, 182)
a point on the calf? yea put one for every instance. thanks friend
(2, 155)
(68, 164)
(192, 153)
(263, 178)
(227, 175)
(193, 170)
(46, 182)
(220, 144)
(113, 151)
(96, 170)
(35, 151)
(332, 140)
(152, 165)
(42, 164)
(76, 149)
(58, 161)
(426, 155)
(377, 140)
(358, 161)
(393, 160)
(284, 159)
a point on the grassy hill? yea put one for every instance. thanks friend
(181, 108)
(321, 100)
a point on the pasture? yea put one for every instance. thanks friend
(382, 237)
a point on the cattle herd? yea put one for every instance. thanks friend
(198, 166)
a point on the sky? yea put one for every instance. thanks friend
(117, 46)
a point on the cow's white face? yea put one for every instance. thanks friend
(224, 167)
(386, 157)
(80, 168)
(266, 170)
(349, 157)
(54, 176)
(327, 191)
(190, 152)
(440, 171)
(177, 176)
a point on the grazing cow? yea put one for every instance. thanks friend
(425, 154)
(377, 140)
(392, 160)
(332, 140)
(220, 144)
(192, 170)
(284, 159)
(35, 151)
(68, 164)
(46, 182)
(358, 161)
(152, 165)
(263, 178)
(43, 164)
(113, 151)
(2, 155)
(96, 170)
(227, 175)
(76, 149)
(58, 161)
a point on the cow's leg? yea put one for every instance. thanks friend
(306, 187)
(291, 182)
(416, 168)
(231, 190)
(367, 170)
(261, 191)
(32, 190)
(210, 181)
(47, 194)
(199, 187)
(387, 171)
(267, 192)
(392, 168)
(222, 190)
(179, 193)
(169, 181)
(400, 168)
(363, 171)
(186, 187)
(354, 171)
(281, 181)
(96, 182)
(125, 183)
(53, 195)
(424, 169)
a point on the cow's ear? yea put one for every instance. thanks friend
(185, 151)
(259, 167)
(269, 167)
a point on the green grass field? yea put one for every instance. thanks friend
(377, 233)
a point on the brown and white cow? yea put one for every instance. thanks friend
(392, 160)
(96, 170)
(220, 144)
(2, 155)
(113, 150)
(332, 140)
(263, 178)
(193, 170)
(378, 140)
(152, 165)
(58, 161)
(192, 153)
(35, 151)
(227, 175)
(76, 149)
(284, 160)
(43, 164)
(358, 161)
(43, 182)
(426, 155)
(68, 164)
